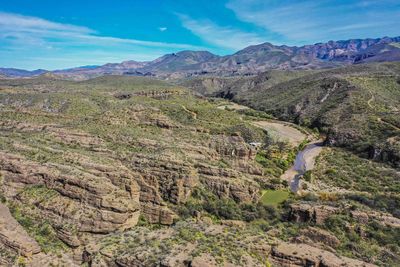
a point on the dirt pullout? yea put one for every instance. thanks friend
(282, 131)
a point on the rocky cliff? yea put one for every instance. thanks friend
(99, 171)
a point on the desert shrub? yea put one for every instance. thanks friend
(325, 196)
(255, 113)
(261, 224)
(382, 234)
(225, 208)
(308, 176)
(249, 134)
(2, 198)
(382, 202)
(310, 197)
(274, 164)
(343, 169)
(40, 229)
(372, 249)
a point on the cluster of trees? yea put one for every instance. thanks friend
(225, 208)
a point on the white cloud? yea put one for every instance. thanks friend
(32, 42)
(30, 32)
(16, 22)
(163, 29)
(307, 21)
(221, 36)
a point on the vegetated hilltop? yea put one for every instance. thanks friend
(248, 61)
(132, 171)
(78, 159)
(259, 58)
(11, 72)
(356, 106)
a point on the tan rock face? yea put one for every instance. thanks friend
(12, 235)
(232, 146)
(382, 218)
(89, 188)
(89, 200)
(228, 183)
(317, 237)
(158, 214)
(311, 213)
(67, 237)
(163, 179)
(112, 194)
(204, 261)
(173, 180)
(290, 255)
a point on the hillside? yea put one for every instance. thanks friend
(132, 171)
(11, 72)
(248, 61)
(259, 58)
(356, 106)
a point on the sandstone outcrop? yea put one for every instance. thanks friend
(232, 146)
(87, 199)
(317, 237)
(317, 214)
(290, 255)
(382, 218)
(204, 261)
(145, 182)
(13, 236)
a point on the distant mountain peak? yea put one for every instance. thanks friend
(12, 72)
(248, 61)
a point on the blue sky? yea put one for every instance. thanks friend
(60, 34)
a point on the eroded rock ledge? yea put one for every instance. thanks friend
(85, 199)
(13, 236)
(290, 255)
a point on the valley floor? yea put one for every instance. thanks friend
(128, 171)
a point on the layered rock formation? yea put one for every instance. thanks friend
(84, 199)
(313, 213)
(317, 237)
(12, 235)
(89, 189)
(288, 255)
(80, 170)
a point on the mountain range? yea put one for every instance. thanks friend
(298, 165)
(248, 61)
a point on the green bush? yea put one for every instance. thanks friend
(307, 176)
(40, 229)
(225, 208)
